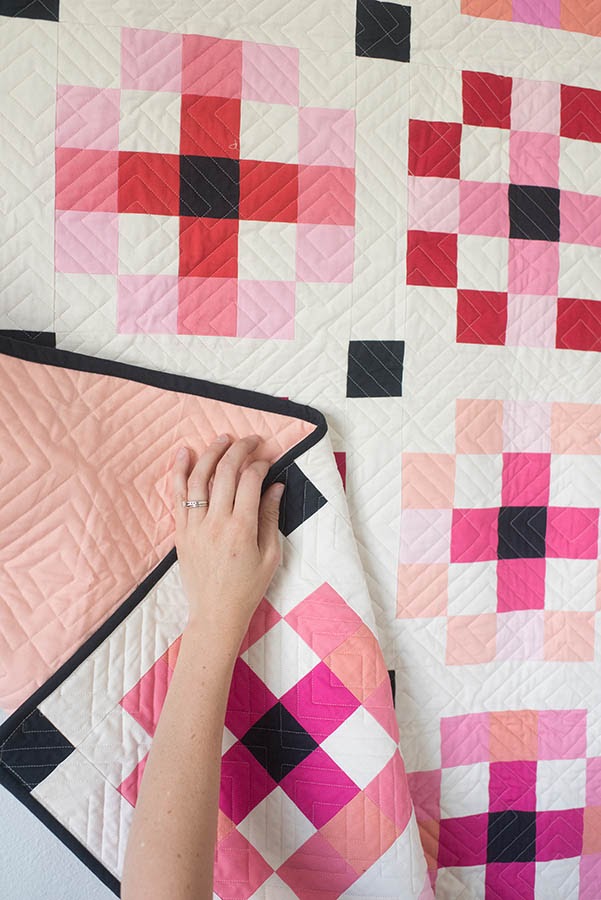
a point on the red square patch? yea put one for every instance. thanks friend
(432, 258)
(486, 99)
(580, 113)
(149, 183)
(434, 148)
(268, 191)
(210, 126)
(208, 247)
(578, 324)
(481, 317)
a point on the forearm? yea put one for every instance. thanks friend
(172, 839)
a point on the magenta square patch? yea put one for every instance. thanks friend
(510, 880)
(462, 841)
(464, 739)
(474, 534)
(151, 60)
(520, 584)
(559, 833)
(526, 478)
(572, 533)
(320, 702)
(244, 783)
(512, 785)
(562, 734)
(249, 699)
(319, 787)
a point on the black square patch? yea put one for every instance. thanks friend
(375, 368)
(209, 187)
(279, 742)
(34, 750)
(383, 30)
(522, 532)
(533, 212)
(30, 9)
(511, 836)
(300, 500)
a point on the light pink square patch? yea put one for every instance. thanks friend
(212, 67)
(526, 427)
(425, 535)
(270, 73)
(326, 195)
(484, 208)
(533, 267)
(535, 105)
(475, 534)
(562, 734)
(580, 218)
(464, 739)
(207, 306)
(86, 242)
(266, 309)
(520, 634)
(534, 158)
(151, 60)
(147, 304)
(531, 320)
(325, 253)
(433, 204)
(326, 136)
(87, 117)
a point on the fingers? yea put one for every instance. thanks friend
(179, 482)
(198, 481)
(227, 474)
(248, 494)
(269, 514)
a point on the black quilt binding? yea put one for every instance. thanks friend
(38, 351)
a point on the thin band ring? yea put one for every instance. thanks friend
(195, 503)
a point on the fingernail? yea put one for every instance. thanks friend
(279, 489)
(223, 438)
(181, 452)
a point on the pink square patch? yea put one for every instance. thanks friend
(428, 480)
(266, 309)
(520, 584)
(87, 117)
(324, 253)
(484, 209)
(526, 478)
(326, 195)
(474, 534)
(533, 267)
(464, 739)
(324, 620)
(147, 304)
(569, 636)
(86, 179)
(235, 854)
(580, 218)
(86, 242)
(534, 158)
(212, 67)
(471, 639)
(145, 700)
(562, 734)
(326, 137)
(535, 105)
(317, 869)
(531, 320)
(433, 203)
(572, 533)
(424, 788)
(207, 306)
(593, 781)
(270, 73)
(478, 426)
(151, 60)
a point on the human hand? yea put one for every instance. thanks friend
(228, 552)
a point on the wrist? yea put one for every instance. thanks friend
(215, 636)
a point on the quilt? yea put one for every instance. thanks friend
(387, 212)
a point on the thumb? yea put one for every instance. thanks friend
(269, 514)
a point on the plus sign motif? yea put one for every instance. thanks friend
(203, 187)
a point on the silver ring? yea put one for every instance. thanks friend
(195, 503)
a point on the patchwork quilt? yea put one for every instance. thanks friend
(375, 215)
